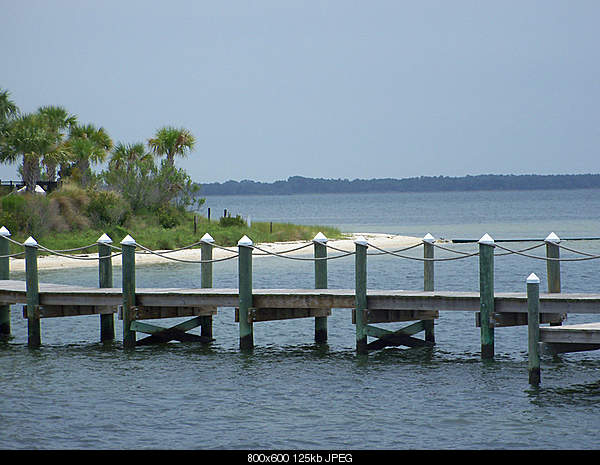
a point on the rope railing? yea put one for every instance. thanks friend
(283, 254)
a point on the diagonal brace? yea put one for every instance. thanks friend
(177, 332)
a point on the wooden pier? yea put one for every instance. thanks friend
(135, 306)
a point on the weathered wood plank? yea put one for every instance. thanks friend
(273, 314)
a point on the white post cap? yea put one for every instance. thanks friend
(207, 238)
(553, 238)
(321, 238)
(4, 232)
(245, 242)
(104, 239)
(30, 242)
(429, 238)
(486, 239)
(360, 240)
(533, 279)
(128, 240)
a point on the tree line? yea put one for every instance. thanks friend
(303, 185)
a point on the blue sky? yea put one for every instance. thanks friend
(331, 89)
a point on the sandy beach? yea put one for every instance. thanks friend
(384, 241)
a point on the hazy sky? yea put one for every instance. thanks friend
(331, 89)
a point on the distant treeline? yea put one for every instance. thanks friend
(302, 185)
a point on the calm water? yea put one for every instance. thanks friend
(75, 393)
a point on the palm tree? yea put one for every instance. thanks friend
(58, 122)
(8, 109)
(127, 156)
(87, 144)
(172, 141)
(27, 136)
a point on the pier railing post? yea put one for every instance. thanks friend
(34, 333)
(486, 295)
(245, 292)
(361, 294)
(128, 245)
(4, 274)
(206, 279)
(553, 266)
(428, 280)
(105, 280)
(320, 252)
(533, 326)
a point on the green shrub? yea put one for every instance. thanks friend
(228, 221)
(106, 208)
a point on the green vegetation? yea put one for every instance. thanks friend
(141, 193)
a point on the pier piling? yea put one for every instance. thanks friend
(206, 280)
(361, 295)
(4, 274)
(245, 293)
(128, 245)
(320, 252)
(428, 281)
(486, 295)
(105, 280)
(533, 327)
(34, 332)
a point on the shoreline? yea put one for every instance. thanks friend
(384, 241)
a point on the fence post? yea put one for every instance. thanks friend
(361, 294)
(486, 295)
(245, 290)
(128, 245)
(319, 242)
(34, 333)
(533, 327)
(206, 279)
(105, 280)
(4, 274)
(428, 280)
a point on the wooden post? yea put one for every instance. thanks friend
(206, 279)
(486, 295)
(4, 274)
(553, 266)
(361, 294)
(105, 280)
(428, 280)
(320, 252)
(245, 291)
(128, 245)
(533, 326)
(34, 333)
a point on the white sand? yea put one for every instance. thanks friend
(384, 241)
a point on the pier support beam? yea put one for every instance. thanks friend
(128, 245)
(361, 294)
(245, 292)
(533, 326)
(34, 332)
(428, 281)
(4, 274)
(206, 280)
(105, 280)
(320, 283)
(486, 295)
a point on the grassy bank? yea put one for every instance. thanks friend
(147, 231)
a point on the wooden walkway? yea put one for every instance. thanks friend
(13, 292)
